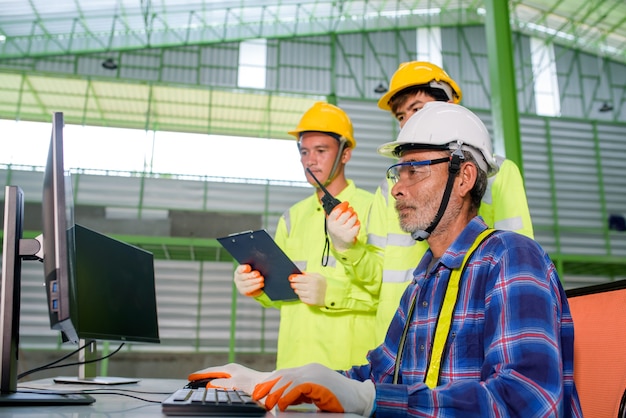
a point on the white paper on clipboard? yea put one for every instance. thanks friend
(259, 249)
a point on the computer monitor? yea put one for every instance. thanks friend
(57, 207)
(97, 288)
(112, 298)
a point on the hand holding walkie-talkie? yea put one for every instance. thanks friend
(343, 224)
(328, 200)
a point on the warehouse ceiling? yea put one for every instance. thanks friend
(31, 28)
(36, 29)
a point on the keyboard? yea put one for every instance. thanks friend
(211, 402)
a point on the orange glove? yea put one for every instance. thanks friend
(230, 376)
(343, 226)
(310, 288)
(248, 282)
(329, 390)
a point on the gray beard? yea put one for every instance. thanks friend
(415, 222)
(419, 220)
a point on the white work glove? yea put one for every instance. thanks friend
(230, 376)
(310, 288)
(249, 282)
(329, 390)
(343, 226)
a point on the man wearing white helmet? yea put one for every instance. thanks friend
(391, 254)
(483, 329)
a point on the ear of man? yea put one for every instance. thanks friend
(347, 154)
(466, 178)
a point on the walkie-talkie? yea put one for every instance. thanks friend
(328, 201)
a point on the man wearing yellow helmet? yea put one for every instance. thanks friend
(414, 84)
(396, 253)
(331, 322)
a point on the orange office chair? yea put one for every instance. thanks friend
(599, 314)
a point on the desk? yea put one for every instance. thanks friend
(113, 404)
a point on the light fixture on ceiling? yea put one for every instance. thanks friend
(109, 64)
(606, 107)
(380, 89)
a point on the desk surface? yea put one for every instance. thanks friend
(112, 402)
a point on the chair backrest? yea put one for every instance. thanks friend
(599, 314)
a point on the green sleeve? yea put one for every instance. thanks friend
(362, 264)
(510, 205)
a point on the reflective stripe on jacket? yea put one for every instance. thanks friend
(340, 334)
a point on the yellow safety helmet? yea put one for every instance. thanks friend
(415, 73)
(324, 117)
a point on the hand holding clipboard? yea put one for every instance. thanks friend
(260, 251)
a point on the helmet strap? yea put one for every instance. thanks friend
(442, 85)
(333, 171)
(453, 169)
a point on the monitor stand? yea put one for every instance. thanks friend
(15, 248)
(34, 398)
(87, 372)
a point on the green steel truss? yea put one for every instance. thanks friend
(42, 28)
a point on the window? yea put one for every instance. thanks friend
(252, 63)
(429, 45)
(546, 88)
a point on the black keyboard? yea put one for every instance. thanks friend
(212, 402)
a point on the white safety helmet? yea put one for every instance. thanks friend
(441, 125)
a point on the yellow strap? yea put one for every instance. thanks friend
(444, 322)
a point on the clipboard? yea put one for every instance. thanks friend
(259, 249)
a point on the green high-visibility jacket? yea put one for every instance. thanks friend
(392, 255)
(339, 334)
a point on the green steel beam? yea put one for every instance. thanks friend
(233, 27)
(601, 192)
(553, 195)
(233, 324)
(198, 324)
(473, 59)
(571, 264)
(506, 128)
(591, 27)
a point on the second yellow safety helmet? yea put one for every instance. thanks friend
(324, 117)
(415, 73)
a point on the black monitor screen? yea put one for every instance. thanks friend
(115, 294)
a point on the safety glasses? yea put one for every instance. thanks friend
(411, 172)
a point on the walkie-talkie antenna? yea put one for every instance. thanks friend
(328, 201)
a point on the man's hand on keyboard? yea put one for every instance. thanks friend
(230, 376)
(329, 390)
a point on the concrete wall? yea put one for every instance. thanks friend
(142, 365)
(174, 222)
